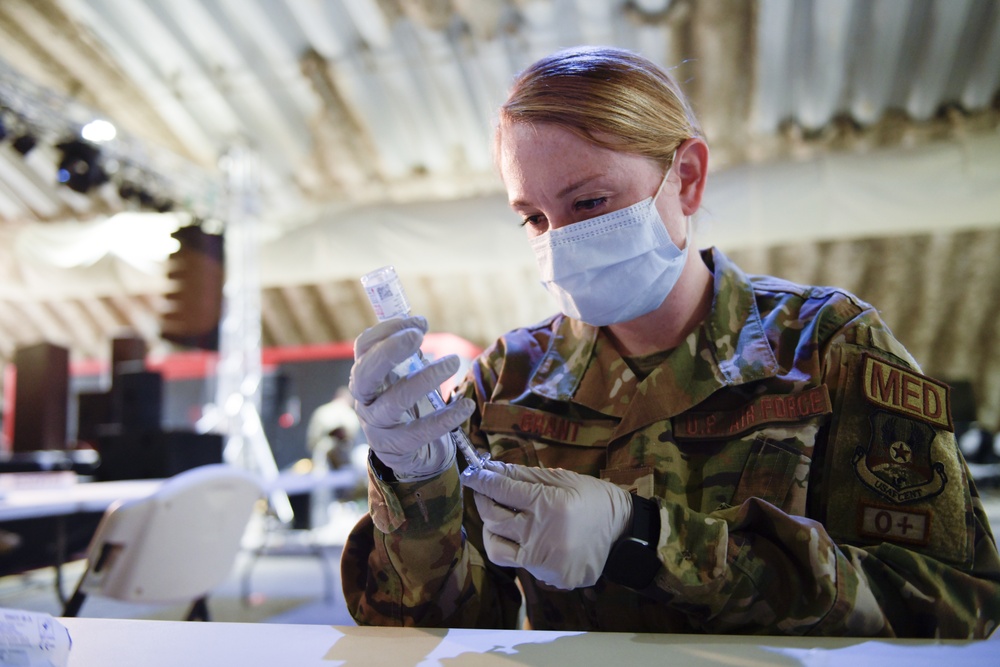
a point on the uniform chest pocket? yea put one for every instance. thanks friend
(781, 430)
(775, 472)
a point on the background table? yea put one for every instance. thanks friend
(107, 642)
(71, 499)
(54, 522)
(85, 497)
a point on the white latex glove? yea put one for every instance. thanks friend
(414, 448)
(557, 524)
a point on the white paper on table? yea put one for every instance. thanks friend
(32, 639)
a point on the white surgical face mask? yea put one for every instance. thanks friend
(612, 268)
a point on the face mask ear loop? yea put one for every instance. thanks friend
(673, 161)
(688, 233)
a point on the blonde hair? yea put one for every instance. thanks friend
(610, 97)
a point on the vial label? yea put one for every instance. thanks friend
(386, 303)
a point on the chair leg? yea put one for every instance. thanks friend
(199, 610)
(247, 572)
(72, 606)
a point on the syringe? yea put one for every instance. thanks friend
(385, 292)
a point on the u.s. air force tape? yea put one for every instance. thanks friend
(766, 409)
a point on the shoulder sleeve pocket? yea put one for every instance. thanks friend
(895, 473)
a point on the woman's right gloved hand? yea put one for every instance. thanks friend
(414, 449)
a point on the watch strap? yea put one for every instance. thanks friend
(645, 521)
(633, 561)
(381, 470)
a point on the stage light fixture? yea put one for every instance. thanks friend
(127, 191)
(13, 127)
(80, 167)
(145, 198)
(24, 143)
(98, 131)
(137, 194)
(163, 205)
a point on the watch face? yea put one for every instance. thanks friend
(632, 564)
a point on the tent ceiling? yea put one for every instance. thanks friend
(378, 112)
(368, 100)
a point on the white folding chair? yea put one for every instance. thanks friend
(173, 546)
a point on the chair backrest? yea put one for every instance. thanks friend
(178, 543)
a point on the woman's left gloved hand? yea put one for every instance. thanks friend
(414, 448)
(557, 524)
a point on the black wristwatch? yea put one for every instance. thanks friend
(633, 561)
(382, 471)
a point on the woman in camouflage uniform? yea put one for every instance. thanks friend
(685, 447)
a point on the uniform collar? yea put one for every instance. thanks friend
(729, 348)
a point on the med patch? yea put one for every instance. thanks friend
(900, 390)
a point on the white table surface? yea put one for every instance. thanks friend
(71, 499)
(117, 642)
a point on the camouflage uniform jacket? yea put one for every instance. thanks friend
(807, 475)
